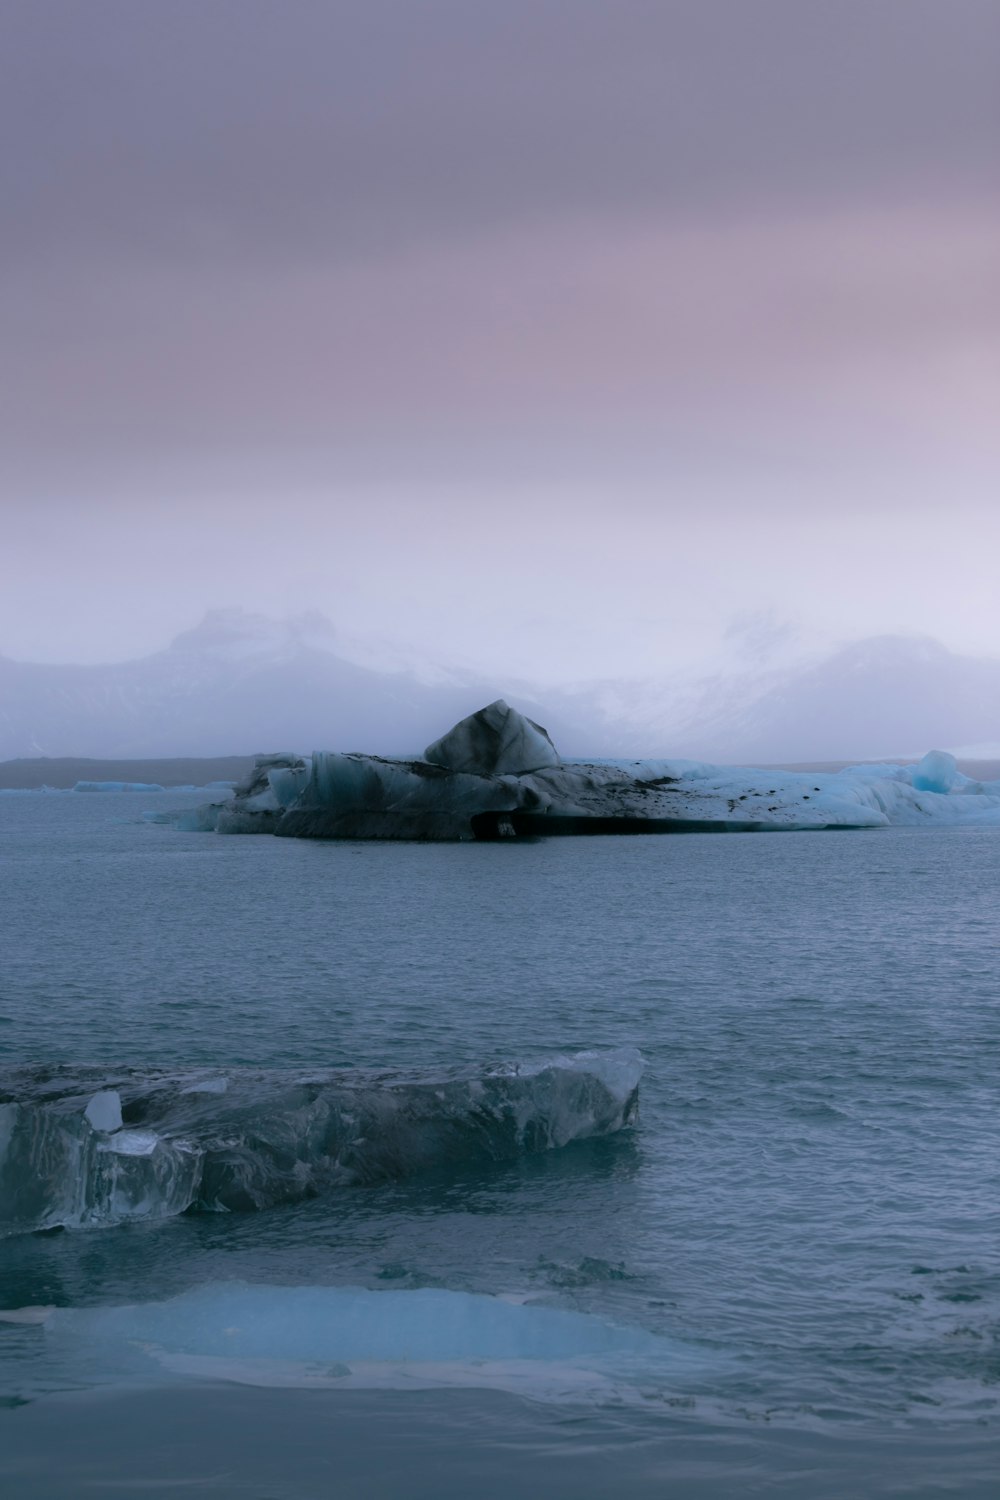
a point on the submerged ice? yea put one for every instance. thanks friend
(155, 1145)
(348, 1324)
(497, 774)
(349, 1336)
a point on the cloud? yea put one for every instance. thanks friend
(866, 328)
(667, 310)
(325, 130)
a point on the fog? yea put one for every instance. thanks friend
(552, 341)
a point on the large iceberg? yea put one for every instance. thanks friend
(497, 775)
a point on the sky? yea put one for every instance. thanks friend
(559, 337)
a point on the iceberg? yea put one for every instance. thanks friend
(497, 775)
(153, 1145)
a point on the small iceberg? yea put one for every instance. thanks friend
(119, 786)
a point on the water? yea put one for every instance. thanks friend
(799, 1237)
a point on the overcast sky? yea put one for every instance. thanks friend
(544, 332)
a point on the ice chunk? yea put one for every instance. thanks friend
(255, 1139)
(937, 772)
(495, 741)
(132, 1142)
(104, 1112)
(63, 1165)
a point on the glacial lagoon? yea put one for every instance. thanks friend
(772, 1271)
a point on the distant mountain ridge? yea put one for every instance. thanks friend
(886, 696)
(240, 683)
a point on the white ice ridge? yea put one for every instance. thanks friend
(497, 774)
(345, 1336)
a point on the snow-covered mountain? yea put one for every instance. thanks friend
(237, 683)
(881, 697)
(240, 683)
(884, 697)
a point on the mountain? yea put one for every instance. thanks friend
(240, 683)
(884, 697)
(236, 684)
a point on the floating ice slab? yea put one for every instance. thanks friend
(256, 1139)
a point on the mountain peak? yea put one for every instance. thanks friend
(235, 633)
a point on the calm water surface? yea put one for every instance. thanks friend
(806, 1218)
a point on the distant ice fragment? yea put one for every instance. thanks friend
(119, 786)
(495, 741)
(104, 1112)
